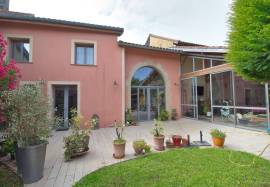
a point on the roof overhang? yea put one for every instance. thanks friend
(59, 23)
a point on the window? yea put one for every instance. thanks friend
(20, 49)
(84, 54)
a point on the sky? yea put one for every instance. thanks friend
(198, 21)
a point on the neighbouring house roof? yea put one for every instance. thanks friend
(140, 46)
(201, 49)
(174, 42)
(24, 17)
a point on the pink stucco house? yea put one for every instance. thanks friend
(85, 66)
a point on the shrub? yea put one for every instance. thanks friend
(139, 144)
(9, 75)
(147, 148)
(174, 114)
(94, 121)
(215, 133)
(249, 47)
(129, 118)
(78, 141)
(164, 115)
(27, 113)
(158, 128)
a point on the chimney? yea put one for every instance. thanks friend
(4, 5)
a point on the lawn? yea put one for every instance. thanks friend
(8, 178)
(184, 167)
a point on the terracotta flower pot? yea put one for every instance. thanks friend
(138, 151)
(176, 140)
(119, 150)
(159, 143)
(218, 142)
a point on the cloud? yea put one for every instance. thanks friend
(200, 21)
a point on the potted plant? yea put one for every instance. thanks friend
(129, 118)
(174, 114)
(218, 137)
(94, 122)
(9, 148)
(77, 143)
(158, 136)
(147, 148)
(176, 140)
(27, 114)
(119, 143)
(164, 115)
(138, 146)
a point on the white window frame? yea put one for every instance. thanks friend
(9, 37)
(86, 42)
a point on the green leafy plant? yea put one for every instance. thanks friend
(147, 148)
(215, 133)
(139, 144)
(173, 114)
(249, 47)
(119, 129)
(129, 118)
(164, 115)
(78, 141)
(158, 128)
(9, 146)
(94, 121)
(27, 114)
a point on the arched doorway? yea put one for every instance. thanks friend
(147, 94)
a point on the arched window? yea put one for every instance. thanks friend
(147, 76)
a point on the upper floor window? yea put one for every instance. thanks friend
(19, 49)
(84, 54)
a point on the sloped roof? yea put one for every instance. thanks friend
(140, 46)
(23, 17)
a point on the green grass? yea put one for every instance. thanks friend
(184, 167)
(8, 178)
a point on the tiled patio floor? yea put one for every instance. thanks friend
(60, 173)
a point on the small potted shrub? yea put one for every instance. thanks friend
(139, 146)
(9, 148)
(119, 143)
(77, 143)
(94, 122)
(174, 114)
(27, 114)
(158, 136)
(164, 115)
(176, 140)
(218, 137)
(129, 118)
(147, 148)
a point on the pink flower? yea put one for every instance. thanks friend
(9, 72)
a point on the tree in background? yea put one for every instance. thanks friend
(249, 39)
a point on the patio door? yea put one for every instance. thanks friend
(65, 99)
(147, 102)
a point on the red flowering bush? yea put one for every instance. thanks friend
(9, 74)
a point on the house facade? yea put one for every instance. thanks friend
(84, 66)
